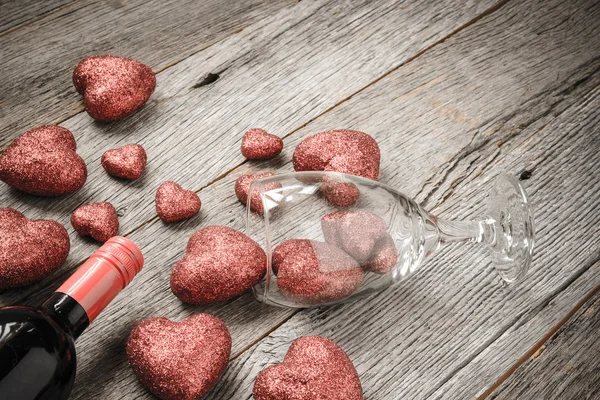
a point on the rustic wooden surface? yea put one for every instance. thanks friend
(566, 367)
(454, 96)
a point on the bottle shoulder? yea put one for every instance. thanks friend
(32, 323)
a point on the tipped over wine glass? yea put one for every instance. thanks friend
(331, 237)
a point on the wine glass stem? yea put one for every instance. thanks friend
(477, 231)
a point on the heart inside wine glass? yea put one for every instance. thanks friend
(321, 250)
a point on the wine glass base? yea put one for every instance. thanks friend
(511, 218)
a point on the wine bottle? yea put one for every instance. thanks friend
(37, 351)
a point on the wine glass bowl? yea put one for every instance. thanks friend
(331, 237)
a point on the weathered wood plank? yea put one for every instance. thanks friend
(153, 283)
(15, 12)
(463, 293)
(37, 60)
(280, 74)
(410, 341)
(565, 367)
(575, 260)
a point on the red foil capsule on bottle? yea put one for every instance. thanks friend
(108, 271)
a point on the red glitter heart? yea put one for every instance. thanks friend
(173, 203)
(242, 186)
(384, 257)
(179, 360)
(113, 87)
(98, 220)
(220, 263)
(29, 249)
(313, 272)
(338, 192)
(258, 144)
(314, 368)
(43, 161)
(349, 152)
(364, 236)
(126, 162)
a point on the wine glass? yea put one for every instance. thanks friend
(331, 237)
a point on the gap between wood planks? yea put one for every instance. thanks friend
(537, 348)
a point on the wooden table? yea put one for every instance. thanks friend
(455, 92)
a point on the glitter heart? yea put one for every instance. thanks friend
(349, 152)
(126, 162)
(43, 161)
(313, 368)
(257, 144)
(173, 203)
(98, 220)
(179, 360)
(242, 186)
(313, 272)
(345, 151)
(113, 87)
(364, 236)
(29, 249)
(220, 263)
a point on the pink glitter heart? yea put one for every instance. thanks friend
(346, 151)
(313, 272)
(113, 87)
(242, 186)
(173, 203)
(257, 144)
(313, 368)
(364, 236)
(126, 162)
(43, 161)
(98, 220)
(29, 249)
(220, 263)
(179, 360)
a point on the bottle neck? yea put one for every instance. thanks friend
(78, 301)
(67, 313)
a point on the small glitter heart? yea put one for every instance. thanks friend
(126, 162)
(43, 161)
(29, 249)
(98, 220)
(312, 272)
(179, 360)
(220, 263)
(173, 203)
(242, 186)
(339, 192)
(384, 257)
(313, 368)
(257, 144)
(113, 87)
(364, 236)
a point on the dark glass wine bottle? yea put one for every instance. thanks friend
(37, 351)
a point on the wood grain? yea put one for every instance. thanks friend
(480, 103)
(37, 60)
(273, 78)
(410, 341)
(444, 321)
(566, 367)
(469, 306)
(16, 12)
(294, 104)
